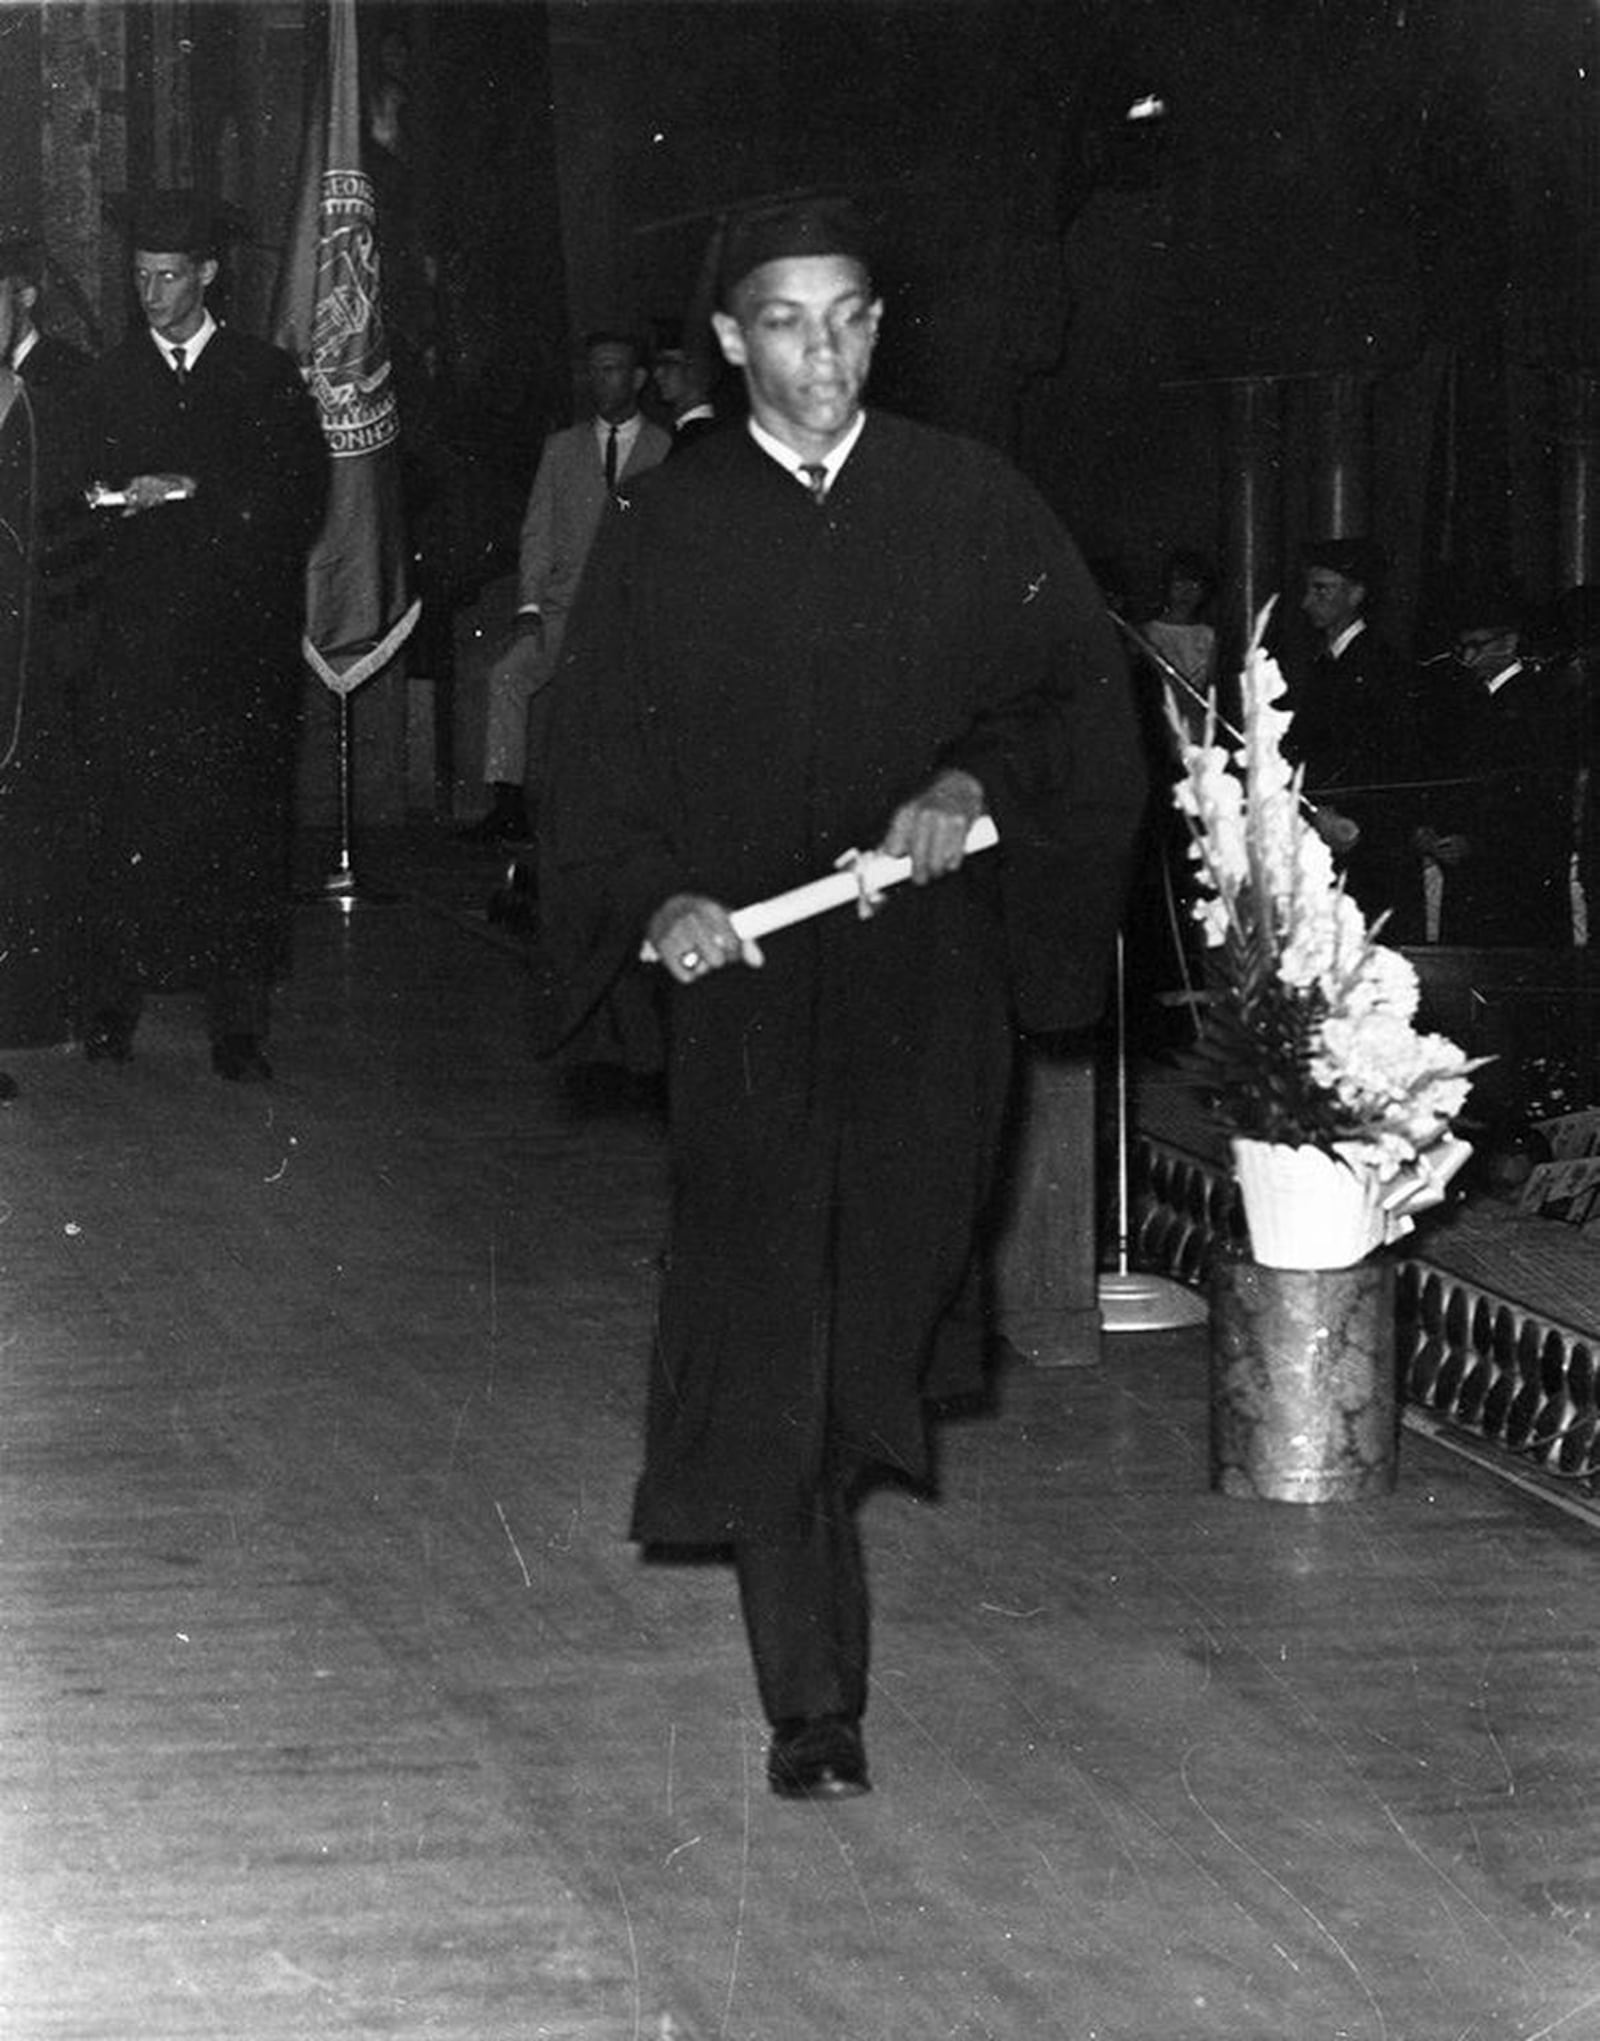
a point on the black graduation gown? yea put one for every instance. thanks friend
(191, 710)
(1359, 731)
(1508, 763)
(40, 845)
(751, 684)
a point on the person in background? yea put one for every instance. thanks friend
(1180, 630)
(1161, 956)
(581, 469)
(210, 447)
(52, 369)
(46, 362)
(683, 380)
(1498, 834)
(1356, 733)
(790, 646)
(17, 471)
(46, 593)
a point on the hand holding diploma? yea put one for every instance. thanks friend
(692, 935)
(144, 492)
(933, 829)
(928, 837)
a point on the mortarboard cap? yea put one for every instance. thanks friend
(1490, 600)
(666, 340)
(779, 229)
(178, 222)
(1356, 559)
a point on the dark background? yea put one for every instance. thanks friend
(1393, 201)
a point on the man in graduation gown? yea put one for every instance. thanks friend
(211, 439)
(1358, 733)
(833, 629)
(17, 512)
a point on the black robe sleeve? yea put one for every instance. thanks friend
(1057, 751)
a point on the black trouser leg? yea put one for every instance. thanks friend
(805, 1606)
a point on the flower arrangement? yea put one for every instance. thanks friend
(1307, 1037)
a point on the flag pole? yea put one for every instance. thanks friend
(329, 316)
(340, 884)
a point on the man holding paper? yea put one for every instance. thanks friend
(833, 630)
(211, 477)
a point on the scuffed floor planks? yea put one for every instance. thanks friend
(333, 1702)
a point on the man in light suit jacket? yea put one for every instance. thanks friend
(580, 469)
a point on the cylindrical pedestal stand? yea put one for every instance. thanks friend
(1303, 1391)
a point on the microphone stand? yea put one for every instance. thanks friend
(1130, 1300)
(1138, 1300)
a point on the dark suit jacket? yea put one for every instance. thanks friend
(53, 365)
(697, 426)
(1358, 733)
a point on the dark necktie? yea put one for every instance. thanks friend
(816, 479)
(611, 460)
(180, 367)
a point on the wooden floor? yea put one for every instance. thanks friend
(334, 1702)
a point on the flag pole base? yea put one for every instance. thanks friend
(1131, 1301)
(343, 890)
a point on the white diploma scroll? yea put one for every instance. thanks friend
(863, 877)
(99, 497)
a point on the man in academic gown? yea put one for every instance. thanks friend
(683, 378)
(16, 523)
(832, 629)
(211, 439)
(44, 589)
(1357, 732)
(47, 363)
(1502, 825)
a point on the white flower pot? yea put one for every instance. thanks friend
(1305, 1208)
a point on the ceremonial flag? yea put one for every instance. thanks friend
(330, 318)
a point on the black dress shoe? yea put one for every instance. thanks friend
(109, 1037)
(817, 1758)
(239, 1058)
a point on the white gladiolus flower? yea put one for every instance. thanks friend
(1359, 1079)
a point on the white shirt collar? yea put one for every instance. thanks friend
(191, 347)
(786, 457)
(627, 431)
(1348, 636)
